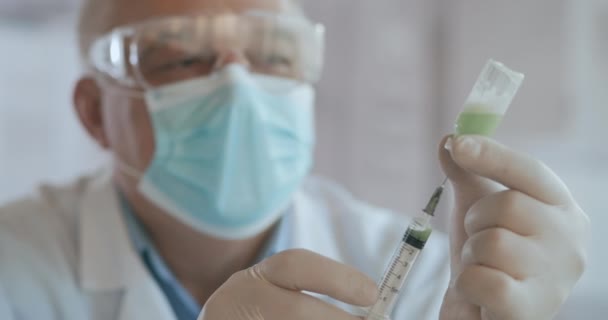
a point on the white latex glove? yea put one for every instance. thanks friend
(517, 236)
(272, 290)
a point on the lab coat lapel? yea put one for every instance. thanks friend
(109, 262)
(144, 300)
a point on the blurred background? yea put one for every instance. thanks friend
(397, 74)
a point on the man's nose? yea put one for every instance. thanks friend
(230, 57)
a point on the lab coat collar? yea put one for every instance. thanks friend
(108, 261)
(104, 247)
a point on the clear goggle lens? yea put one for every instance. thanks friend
(177, 49)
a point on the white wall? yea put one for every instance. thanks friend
(39, 136)
(377, 107)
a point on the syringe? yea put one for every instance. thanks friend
(482, 113)
(416, 236)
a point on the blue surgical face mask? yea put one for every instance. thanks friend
(231, 150)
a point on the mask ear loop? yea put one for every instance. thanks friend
(127, 169)
(126, 91)
(133, 93)
(124, 88)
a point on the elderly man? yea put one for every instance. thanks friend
(207, 109)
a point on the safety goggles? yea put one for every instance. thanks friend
(174, 49)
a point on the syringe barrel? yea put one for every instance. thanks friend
(400, 265)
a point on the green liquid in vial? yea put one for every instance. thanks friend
(421, 235)
(477, 123)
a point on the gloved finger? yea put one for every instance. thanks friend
(490, 289)
(515, 170)
(302, 270)
(512, 210)
(309, 307)
(468, 187)
(503, 250)
(457, 308)
(247, 295)
(299, 306)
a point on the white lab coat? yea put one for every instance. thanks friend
(65, 253)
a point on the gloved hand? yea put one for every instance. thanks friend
(517, 237)
(272, 290)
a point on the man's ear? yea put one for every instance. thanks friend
(88, 106)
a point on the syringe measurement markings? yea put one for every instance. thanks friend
(386, 281)
(392, 274)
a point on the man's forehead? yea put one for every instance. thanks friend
(133, 11)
